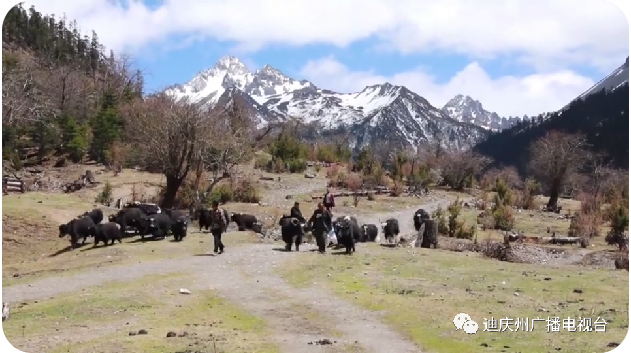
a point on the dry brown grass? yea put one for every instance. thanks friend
(535, 223)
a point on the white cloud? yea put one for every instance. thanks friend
(543, 33)
(507, 95)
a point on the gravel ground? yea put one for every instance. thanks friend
(246, 276)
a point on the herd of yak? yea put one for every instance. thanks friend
(348, 232)
(147, 219)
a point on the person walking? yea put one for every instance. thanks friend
(296, 213)
(328, 201)
(320, 223)
(217, 226)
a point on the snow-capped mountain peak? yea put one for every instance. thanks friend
(229, 72)
(377, 112)
(208, 85)
(232, 65)
(465, 109)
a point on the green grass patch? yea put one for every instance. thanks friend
(203, 321)
(420, 291)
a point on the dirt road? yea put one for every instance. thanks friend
(247, 276)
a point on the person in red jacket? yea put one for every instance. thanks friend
(328, 201)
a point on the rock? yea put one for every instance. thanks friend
(171, 334)
(142, 332)
(183, 334)
(322, 342)
(577, 290)
(132, 333)
(184, 291)
(612, 344)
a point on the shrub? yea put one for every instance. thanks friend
(618, 216)
(276, 166)
(463, 232)
(585, 225)
(354, 184)
(526, 198)
(332, 171)
(297, 165)
(387, 181)
(494, 250)
(236, 191)
(509, 176)
(397, 190)
(262, 162)
(503, 194)
(439, 216)
(621, 260)
(245, 190)
(105, 197)
(483, 201)
(318, 168)
(371, 196)
(342, 178)
(222, 193)
(486, 220)
(455, 207)
(503, 218)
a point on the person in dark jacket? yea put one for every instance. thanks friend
(320, 223)
(296, 213)
(217, 226)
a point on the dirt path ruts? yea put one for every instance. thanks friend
(246, 276)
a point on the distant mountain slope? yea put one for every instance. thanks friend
(611, 82)
(377, 112)
(603, 117)
(468, 110)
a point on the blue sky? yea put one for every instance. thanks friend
(516, 57)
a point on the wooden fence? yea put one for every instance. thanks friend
(10, 184)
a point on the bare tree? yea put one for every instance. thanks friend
(458, 167)
(554, 157)
(23, 97)
(169, 136)
(234, 139)
(510, 175)
(65, 85)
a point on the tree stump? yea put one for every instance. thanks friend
(621, 262)
(430, 234)
(6, 311)
(420, 235)
(89, 176)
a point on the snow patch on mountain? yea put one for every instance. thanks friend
(468, 110)
(617, 78)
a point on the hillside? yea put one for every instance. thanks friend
(603, 117)
(60, 92)
(378, 112)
